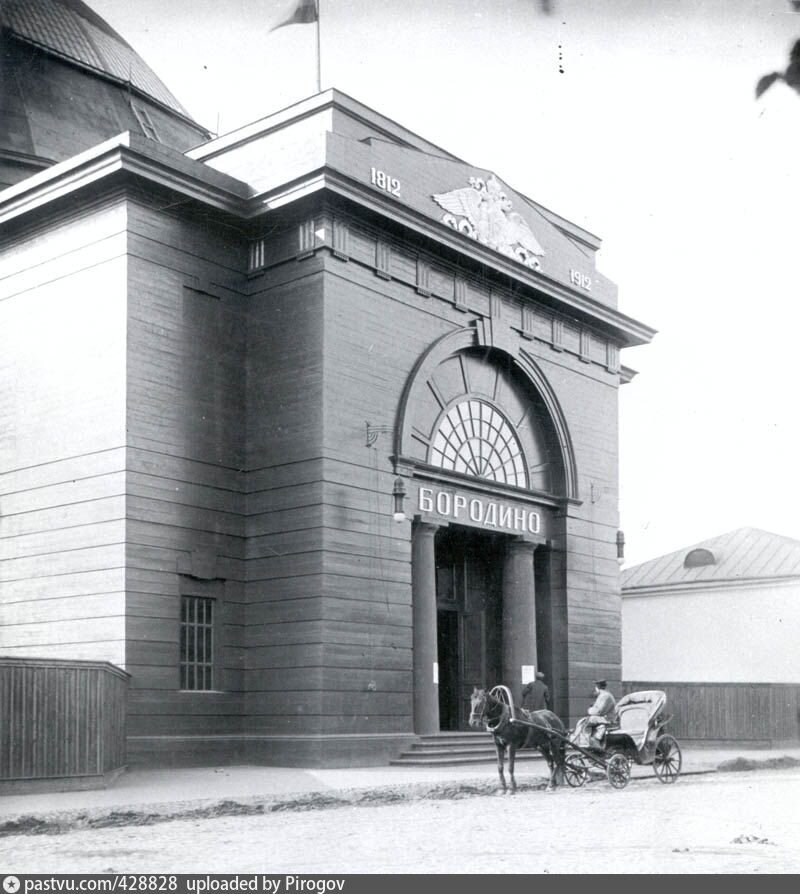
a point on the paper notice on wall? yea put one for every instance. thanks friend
(436, 672)
(528, 673)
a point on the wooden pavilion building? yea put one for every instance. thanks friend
(305, 427)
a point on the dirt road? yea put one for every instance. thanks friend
(740, 822)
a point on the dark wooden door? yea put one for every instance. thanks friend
(473, 661)
(447, 631)
(466, 570)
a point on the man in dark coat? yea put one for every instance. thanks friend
(536, 695)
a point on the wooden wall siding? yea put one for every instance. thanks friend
(63, 344)
(366, 367)
(186, 441)
(62, 435)
(284, 566)
(46, 248)
(235, 458)
(593, 635)
(61, 719)
(284, 370)
(289, 722)
(784, 713)
(196, 244)
(389, 257)
(767, 713)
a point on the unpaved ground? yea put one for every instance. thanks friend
(742, 822)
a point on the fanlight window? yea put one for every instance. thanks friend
(475, 439)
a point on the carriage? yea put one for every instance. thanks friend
(638, 738)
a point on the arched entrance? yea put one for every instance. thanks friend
(490, 469)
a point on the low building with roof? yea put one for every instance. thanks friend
(717, 625)
(724, 610)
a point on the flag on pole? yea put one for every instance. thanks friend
(301, 13)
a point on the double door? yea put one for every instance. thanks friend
(468, 578)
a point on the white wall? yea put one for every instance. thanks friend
(63, 337)
(742, 634)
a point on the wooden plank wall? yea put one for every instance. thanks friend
(62, 434)
(285, 560)
(61, 719)
(377, 325)
(764, 713)
(185, 437)
(375, 331)
(208, 434)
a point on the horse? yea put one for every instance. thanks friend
(495, 715)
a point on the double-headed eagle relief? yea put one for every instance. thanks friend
(483, 212)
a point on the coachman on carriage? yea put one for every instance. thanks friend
(638, 737)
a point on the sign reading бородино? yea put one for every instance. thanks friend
(481, 511)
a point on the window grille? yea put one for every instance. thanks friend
(475, 439)
(197, 643)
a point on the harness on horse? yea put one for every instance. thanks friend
(503, 695)
(513, 728)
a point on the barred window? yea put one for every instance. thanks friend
(197, 643)
(475, 439)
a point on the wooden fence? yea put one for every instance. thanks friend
(763, 714)
(62, 724)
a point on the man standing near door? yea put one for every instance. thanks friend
(536, 695)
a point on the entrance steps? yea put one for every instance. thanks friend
(450, 749)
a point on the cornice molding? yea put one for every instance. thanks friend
(138, 157)
(421, 471)
(629, 331)
(683, 588)
(131, 155)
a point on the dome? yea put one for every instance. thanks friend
(68, 81)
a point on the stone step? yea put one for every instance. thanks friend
(407, 759)
(427, 748)
(430, 742)
(454, 748)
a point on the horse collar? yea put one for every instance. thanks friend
(502, 719)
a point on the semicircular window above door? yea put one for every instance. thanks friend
(479, 416)
(474, 438)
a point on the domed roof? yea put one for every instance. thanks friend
(69, 82)
(69, 28)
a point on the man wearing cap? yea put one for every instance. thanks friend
(602, 714)
(536, 695)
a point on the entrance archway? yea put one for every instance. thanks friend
(457, 367)
(491, 466)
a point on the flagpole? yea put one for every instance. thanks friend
(319, 49)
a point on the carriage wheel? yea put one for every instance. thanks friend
(576, 771)
(667, 762)
(618, 770)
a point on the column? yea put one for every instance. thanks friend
(519, 614)
(423, 594)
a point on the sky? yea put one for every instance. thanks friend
(634, 118)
